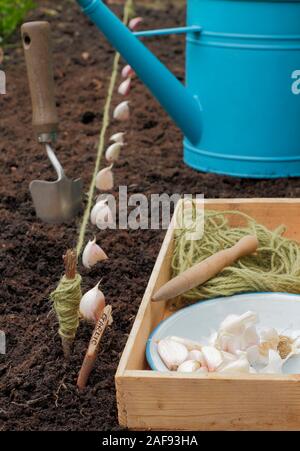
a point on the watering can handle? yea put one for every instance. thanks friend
(177, 100)
(37, 48)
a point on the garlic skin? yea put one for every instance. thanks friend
(92, 254)
(173, 354)
(113, 152)
(92, 304)
(124, 88)
(135, 22)
(105, 179)
(188, 366)
(118, 138)
(122, 112)
(127, 71)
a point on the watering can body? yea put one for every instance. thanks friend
(240, 109)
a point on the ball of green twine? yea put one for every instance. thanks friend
(66, 298)
(274, 267)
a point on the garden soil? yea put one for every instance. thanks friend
(37, 390)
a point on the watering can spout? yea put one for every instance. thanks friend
(177, 100)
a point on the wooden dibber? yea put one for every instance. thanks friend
(205, 270)
(92, 351)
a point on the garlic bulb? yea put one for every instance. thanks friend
(188, 366)
(92, 254)
(118, 138)
(135, 22)
(113, 152)
(127, 71)
(122, 112)
(105, 179)
(172, 354)
(92, 304)
(212, 357)
(124, 88)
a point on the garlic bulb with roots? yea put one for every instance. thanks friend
(92, 304)
(122, 112)
(105, 179)
(93, 254)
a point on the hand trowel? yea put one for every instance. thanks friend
(54, 201)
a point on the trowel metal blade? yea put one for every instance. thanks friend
(56, 202)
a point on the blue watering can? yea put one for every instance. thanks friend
(240, 109)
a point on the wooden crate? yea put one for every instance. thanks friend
(170, 401)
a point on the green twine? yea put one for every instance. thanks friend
(274, 267)
(66, 299)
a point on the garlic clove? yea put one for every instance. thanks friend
(127, 71)
(97, 207)
(104, 218)
(135, 22)
(234, 324)
(113, 152)
(257, 356)
(105, 179)
(92, 304)
(189, 366)
(122, 112)
(250, 338)
(92, 254)
(212, 357)
(173, 354)
(189, 344)
(118, 138)
(197, 355)
(238, 366)
(275, 363)
(202, 370)
(269, 335)
(124, 88)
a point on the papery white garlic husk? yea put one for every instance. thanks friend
(189, 344)
(118, 138)
(104, 218)
(135, 22)
(189, 366)
(124, 88)
(92, 304)
(197, 355)
(122, 112)
(127, 71)
(250, 337)
(113, 152)
(237, 324)
(97, 207)
(172, 353)
(93, 254)
(212, 356)
(105, 179)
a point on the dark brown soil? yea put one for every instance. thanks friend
(37, 392)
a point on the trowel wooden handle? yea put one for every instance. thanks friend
(38, 55)
(205, 270)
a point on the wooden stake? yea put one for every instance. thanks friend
(92, 351)
(70, 262)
